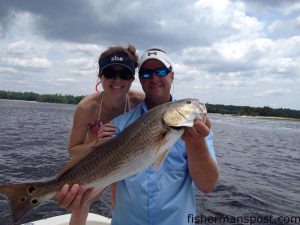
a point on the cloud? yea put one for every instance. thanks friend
(272, 93)
(279, 28)
(99, 22)
(231, 47)
(229, 83)
(25, 49)
(32, 64)
(78, 62)
(286, 6)
(5, 18)
(24, 57)
(291, 6)
(286, 65)
(83, 49)
(273, 57)
(7, 70)
(70, 80)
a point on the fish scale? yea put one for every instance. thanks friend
(142, 143)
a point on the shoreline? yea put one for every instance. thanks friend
(277, 118)
(230, 114)
(17, 100)
(260, 117)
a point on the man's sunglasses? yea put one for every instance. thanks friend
(124, 74)
(147, 73)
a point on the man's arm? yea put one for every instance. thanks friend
(202, 167)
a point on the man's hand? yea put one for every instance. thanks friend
(197, 132)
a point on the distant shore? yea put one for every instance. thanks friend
(259, 112)
(261, 117)
(17, 100)
(277, 118)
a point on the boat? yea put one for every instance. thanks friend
(93, 219)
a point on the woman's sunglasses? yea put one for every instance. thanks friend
(147, 73)
(124, 74)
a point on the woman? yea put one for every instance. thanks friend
(91, 124)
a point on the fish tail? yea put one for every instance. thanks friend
(22, 198)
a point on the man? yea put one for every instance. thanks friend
(166, 195)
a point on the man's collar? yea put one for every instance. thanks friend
(144, 107)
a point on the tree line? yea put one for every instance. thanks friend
(211, 108)
(253, 111)
(31, 96)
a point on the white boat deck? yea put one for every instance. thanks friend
(93, 219)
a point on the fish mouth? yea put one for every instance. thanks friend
(202, 111)
(176, 128)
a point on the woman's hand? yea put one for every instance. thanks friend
(106, 132)
(76, 197)
(70, 197)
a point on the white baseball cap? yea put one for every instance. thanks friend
(155, 54)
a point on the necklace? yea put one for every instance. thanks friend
(127, 105)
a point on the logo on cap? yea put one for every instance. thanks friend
(152, 53)
(116, 58)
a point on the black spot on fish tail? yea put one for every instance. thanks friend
(34, 201)
(21, 199)
(31, 189)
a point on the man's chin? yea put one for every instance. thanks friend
(155, 94)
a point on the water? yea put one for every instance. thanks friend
(258, 158)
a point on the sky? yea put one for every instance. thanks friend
(231, 52)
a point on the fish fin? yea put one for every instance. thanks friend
(159, 144)
(160, 160)
(74, 160)
(161, 140)
(21, 199)
(94, 194)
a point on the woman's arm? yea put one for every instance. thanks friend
(79, 131)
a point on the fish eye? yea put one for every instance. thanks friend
(188, 101)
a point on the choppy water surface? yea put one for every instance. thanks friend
(259, 161)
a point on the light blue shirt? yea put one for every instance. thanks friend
(165, 196)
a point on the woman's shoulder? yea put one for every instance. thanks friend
(90, 103)
(136, 97)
